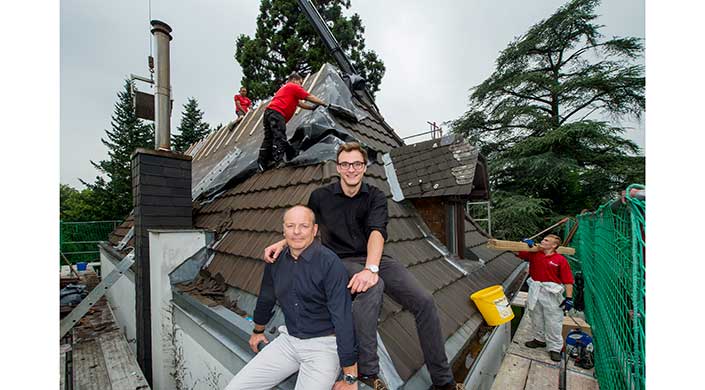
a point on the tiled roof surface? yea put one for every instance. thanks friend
(438, 167)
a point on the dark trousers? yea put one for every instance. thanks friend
(402, 286)
(274, 145)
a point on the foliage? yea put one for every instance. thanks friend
(192, 128)
(285, 42)
(540, 120)
(112, 191)
(78, 206)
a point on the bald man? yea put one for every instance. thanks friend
(309, 282)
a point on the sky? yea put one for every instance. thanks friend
(434, 52)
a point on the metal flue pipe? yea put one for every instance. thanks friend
(162, 88)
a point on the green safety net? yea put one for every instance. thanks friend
(610, 247)
(79, 240)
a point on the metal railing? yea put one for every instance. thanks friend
(79, 240)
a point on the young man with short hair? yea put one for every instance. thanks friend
(549, 276)
(279, 111)
(353, 219)
(309, 282)
(242, 103)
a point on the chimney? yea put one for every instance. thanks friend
(161, 198)
(162, 88)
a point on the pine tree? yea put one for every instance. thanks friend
(112, 190)
(540, 120)
(286, 42)
(192, 128)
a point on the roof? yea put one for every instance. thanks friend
(246, 214)
(441, 167)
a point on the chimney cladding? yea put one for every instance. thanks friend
(162, 88)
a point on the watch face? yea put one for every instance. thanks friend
(350, 379)
(373, 268)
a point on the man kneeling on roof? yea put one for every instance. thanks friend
(310, 283)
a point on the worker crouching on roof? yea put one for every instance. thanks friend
(310, 283)
(549, 276)
(279, 111)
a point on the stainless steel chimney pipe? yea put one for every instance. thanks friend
(162, 88)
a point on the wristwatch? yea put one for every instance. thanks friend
(349, 378)
(372, 268)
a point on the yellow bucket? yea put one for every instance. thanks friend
(493, 305)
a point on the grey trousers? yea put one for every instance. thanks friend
(400, 284)
(315, 359)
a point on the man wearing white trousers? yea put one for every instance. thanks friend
(549, 276)
(310, 283)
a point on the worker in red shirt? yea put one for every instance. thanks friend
(242, 103)
(549, 276)
(277, 114)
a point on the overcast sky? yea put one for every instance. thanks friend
(434, 52)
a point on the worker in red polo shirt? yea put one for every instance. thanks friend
(242, 103)
(549, 277)
(277, 114)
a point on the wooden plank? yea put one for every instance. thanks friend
(89, 371)
(62, 370)
(575, 381)
(512, 374)
(517, 246)
(520, 299)
(542, 377)
(122, 368)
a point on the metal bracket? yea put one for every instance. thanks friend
(79, 311)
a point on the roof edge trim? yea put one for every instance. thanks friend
(397, 194)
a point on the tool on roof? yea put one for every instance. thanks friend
(562, 221)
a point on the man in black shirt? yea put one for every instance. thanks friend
(309, 282)
(353, 219)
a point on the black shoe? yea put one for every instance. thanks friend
(373, 381)
(555, 356)
(535, 344)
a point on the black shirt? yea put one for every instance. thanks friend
(345, 223)
(312, 292)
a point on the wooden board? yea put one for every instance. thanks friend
(89, 371)
(542, 377)
(517, 246)
(520, 299)
(575, 381)
(512, 374)
(123, 371)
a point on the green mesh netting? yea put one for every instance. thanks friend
(610, 248)
(79, 240)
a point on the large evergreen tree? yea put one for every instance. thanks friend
(192, 128)
(541, 119)
(112, 190)
(285, 42)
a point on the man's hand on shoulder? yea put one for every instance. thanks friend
(362, 281)
(272, 252)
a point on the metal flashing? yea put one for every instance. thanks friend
(397, 193)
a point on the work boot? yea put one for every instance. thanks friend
(535, 344)
(450, 386)
(373, 381)
(555, 356)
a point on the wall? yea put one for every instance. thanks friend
(433, 211)
(121, 296)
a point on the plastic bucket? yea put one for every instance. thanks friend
(81, 266)
(493, 305)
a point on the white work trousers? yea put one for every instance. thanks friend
(315, 359)
(546, 315)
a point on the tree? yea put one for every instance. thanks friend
(78, 206)
(192, 128)
(286, 42)
(540, 119)
(114, 195)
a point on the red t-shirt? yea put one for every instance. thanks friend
(287, 99)
(244, 101)
(548, 268)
